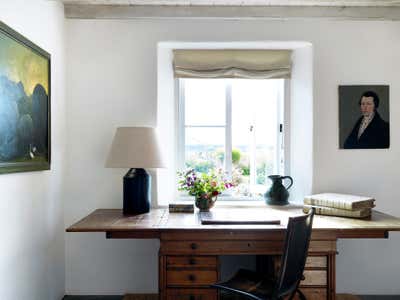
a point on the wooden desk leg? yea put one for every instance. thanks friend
(162, 276)
(332, 276)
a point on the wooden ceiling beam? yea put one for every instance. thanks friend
(79, 11)
(373, 3)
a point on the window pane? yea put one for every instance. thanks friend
(204, 148)
(204, 102)
(254, 132)
(255, 108)
(266, 124)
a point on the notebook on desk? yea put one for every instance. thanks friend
(229, 218)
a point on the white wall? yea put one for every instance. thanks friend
(32, 263)
(112, 81)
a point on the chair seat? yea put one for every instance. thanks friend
(250, 284)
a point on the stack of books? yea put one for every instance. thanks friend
(341, 205)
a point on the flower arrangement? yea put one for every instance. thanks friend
(205, 187)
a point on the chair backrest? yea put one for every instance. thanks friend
(297, 240)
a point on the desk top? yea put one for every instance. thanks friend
(159, 221)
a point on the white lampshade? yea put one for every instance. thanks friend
(135, 147)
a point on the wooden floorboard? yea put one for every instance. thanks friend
(380, 297)
(141, 297)
(347, 297)
(93, 297)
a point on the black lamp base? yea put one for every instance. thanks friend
(137, 189)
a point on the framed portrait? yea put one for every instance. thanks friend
(364, 117)
(24, 104)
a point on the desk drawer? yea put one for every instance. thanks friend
(312, 262)
(192, 294)
(316, 262)
(209, 262)
(191, 277)
(236, 247)
(220, 247)
(314, 277)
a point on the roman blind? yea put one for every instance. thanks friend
(240, 63)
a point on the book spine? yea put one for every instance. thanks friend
(328, 203)
(181, 208)
(364, 204)
(338, 212)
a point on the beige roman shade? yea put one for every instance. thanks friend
(241, 63)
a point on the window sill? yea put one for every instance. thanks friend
(240, 204)
(227, 201)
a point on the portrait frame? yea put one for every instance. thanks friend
(25, 104)
(364, 116)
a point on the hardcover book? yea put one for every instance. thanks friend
(341, 201)
(329, 211)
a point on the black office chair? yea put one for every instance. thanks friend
(257, 286)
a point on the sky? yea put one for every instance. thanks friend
(20, 63)
(254, 103)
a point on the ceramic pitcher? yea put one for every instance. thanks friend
(278, 194)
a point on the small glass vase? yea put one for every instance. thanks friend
(204, 204)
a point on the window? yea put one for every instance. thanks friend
(235, 125)
(298, 106)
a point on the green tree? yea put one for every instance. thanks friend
(245, 170)
(236, 155)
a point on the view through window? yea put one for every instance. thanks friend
(234, 125)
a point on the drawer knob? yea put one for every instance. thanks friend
(192, 261)
(193, 246)
(192, 277)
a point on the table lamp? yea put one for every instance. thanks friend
(135, 148)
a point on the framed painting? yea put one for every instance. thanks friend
(24, 104)
(364, 117)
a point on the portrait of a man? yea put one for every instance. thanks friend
(364, 117)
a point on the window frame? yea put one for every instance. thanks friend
(283, 113)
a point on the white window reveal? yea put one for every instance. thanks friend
(179, 61)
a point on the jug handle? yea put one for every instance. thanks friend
(291, 181)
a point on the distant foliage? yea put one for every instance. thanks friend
(201, 166)
(236, 155)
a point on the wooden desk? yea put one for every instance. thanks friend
(188, 254)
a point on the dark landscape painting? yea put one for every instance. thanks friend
(24, 104)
